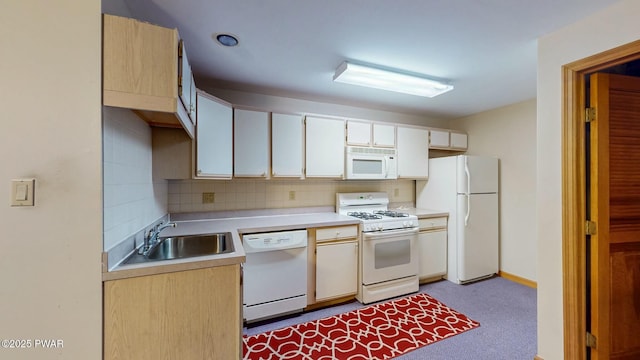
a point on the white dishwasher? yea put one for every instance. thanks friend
(275, 274)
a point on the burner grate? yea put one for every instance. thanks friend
(391, 213)
(364, 215)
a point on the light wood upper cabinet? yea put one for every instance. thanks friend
(324, 147)
(183, 315)
(251, 143)
(214, 138)
(384, 135)
(141, 71)
(413, 153)
(172, 154)
(287, 145)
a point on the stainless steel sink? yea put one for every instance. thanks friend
(192, 245)
(178, 247)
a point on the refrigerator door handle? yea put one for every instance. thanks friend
(466, 170)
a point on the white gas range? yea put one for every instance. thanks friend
(388, 261)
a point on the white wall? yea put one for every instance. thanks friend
(132, 200)
(50, 94)
(612, 27)
(509, 133)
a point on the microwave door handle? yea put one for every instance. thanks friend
(386, 167)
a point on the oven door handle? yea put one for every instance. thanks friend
(379, 234)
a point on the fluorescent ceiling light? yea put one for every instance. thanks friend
(387, 80)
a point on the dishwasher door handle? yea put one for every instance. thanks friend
(274, 241)
(257, 248)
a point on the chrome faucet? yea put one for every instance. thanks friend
(151, 238)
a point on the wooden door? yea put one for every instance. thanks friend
(615, 208)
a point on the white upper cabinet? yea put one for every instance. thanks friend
(214, 148)
(438, 139)
(187, 84)
(325, 147)
(287, 145)
(442, 139)
(358, 133)
(250, 143)
(362, 133)
(384, 135)
(458, 141)
(413, 153)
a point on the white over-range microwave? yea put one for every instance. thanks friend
(367, 163)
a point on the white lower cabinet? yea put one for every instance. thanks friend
(336, 269)
(336, 266)
(432, 248)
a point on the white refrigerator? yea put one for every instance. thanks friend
(466, 187)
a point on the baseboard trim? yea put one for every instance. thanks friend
(519, 280)
(537, 358)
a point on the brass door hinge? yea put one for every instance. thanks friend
(590, 114)
(590, 227)
(591, 340)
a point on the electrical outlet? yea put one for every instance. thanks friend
(396, 192)
(292, 195)
(208, 197)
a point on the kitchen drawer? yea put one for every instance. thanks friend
(336, 232)
(432, 223)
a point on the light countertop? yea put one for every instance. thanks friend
(422, 213)
(236, 226)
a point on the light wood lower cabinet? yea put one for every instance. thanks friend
(193, 314)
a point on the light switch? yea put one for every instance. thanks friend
(22, 192)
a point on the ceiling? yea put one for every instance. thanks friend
(486, 48)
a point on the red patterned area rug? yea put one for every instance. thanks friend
(379, 331)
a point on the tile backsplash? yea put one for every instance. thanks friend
(132, 199)
(241, 194)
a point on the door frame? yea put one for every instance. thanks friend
(574, 190)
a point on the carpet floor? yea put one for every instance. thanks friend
(506, 310)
